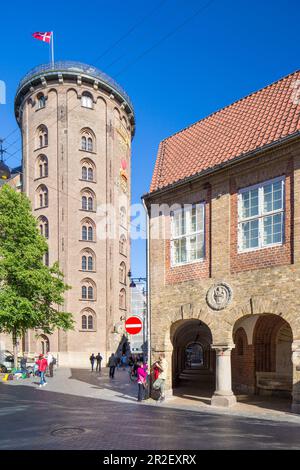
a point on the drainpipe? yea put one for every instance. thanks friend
(148, 285)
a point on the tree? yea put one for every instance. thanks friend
(30, 292)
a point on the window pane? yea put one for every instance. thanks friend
(178, 223)
(90, 263)
(250, 203)
(83, 263)
(90, 231)
(250, 237)
(83, 292)
(90, 322)
(84, 173)
(84, 322)
(273, 228)
(84, 233)
(90, 174)
(90, 293)
(273, 199)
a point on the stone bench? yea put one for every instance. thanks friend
(273, 381)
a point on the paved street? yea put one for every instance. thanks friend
(81, 410)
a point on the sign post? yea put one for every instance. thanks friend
(133, 325)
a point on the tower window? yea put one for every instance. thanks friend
(87, 101)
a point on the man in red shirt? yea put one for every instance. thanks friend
(42, 365)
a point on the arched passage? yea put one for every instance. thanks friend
(193, 360)
(262, 357)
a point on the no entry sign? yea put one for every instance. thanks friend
(133, 325)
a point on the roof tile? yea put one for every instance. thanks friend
(262, 118)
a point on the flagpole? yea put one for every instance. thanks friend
(52, 49)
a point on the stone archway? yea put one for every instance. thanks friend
(262, 356)
(192, 339)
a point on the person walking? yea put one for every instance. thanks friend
(50, 363)
(159, 384)
(112, 365)
(98, 364)
(142, 381)
(42, 367)
(92, 361)
(124, 361)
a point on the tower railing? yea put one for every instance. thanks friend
(76, 67)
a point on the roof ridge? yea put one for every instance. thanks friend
(229, 105)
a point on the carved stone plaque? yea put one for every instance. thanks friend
(219, 296)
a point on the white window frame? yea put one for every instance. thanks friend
(261, 215)
(87, 101)
(187, 235)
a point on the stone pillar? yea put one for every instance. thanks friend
(223, 395)
(296, 376)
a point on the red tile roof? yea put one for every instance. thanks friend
(262, 118)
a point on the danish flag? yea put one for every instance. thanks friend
(45, 37)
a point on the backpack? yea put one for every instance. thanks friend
(54, 361)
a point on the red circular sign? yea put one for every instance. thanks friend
(133, 325)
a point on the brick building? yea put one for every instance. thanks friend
(77, 125)
(224, 247)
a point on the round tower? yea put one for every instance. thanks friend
(77, 125)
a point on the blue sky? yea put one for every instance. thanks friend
(175, 75)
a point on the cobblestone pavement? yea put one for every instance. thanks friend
(81, 410)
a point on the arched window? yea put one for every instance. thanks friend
(88, 200)
(90, 144)
(87, 100)
(84, 292)
(122, 273)
(88, 320)
(123, 220)
(84, 203)
(42, 166)
(42, 136)
(44, 226)
(41, 101)
(84, 174)
(83, 143)
(42, 197)
(88, 290)
(84, 322)
(88, 260)
(88, 140)
(90, 174)
(87, 230)
(123, 245)
(90, 293)
(87, 170)
(84, 232)
(122, 299)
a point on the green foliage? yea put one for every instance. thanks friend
(30, 292)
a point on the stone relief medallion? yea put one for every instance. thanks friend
(219, 296)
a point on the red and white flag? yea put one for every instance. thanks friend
(45, 37)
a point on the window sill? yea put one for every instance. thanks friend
(251, 250)
(88, 331)
(88, 151)
(187, 263)
(87, 181)
(40, 178)
(41, 148)
(87, 210)
(40, 208)
(39, 109)
(86, 271)
(89, 241)
(87, 300)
